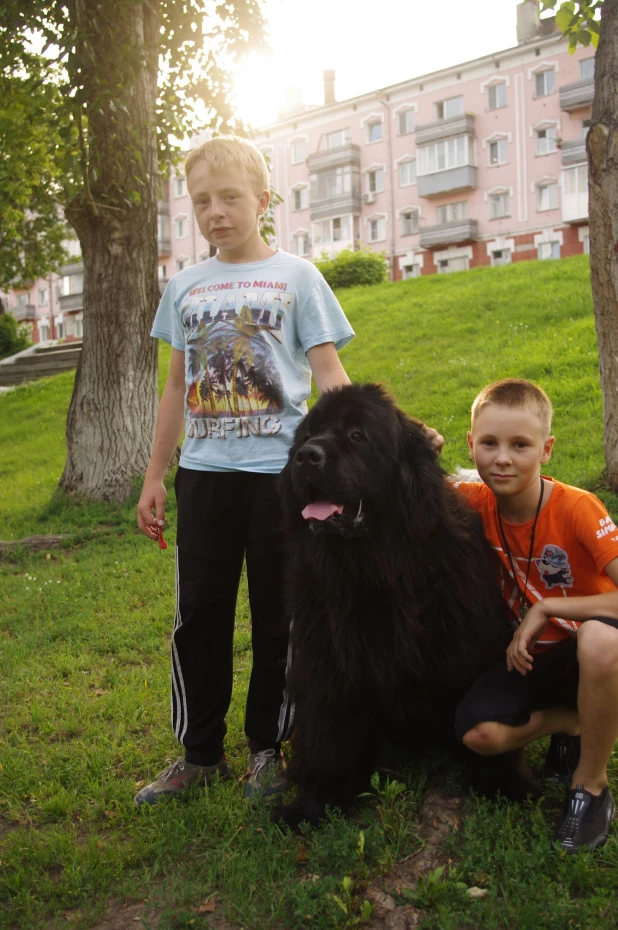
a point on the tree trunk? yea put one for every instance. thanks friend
(112, 412)
(602, 147)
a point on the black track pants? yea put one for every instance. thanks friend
(223, 519)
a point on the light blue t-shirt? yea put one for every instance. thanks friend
(245, 331)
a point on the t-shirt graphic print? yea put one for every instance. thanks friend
(245, 331)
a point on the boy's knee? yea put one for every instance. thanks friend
(485, 738)
(597, 648)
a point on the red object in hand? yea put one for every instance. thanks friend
(162, 543)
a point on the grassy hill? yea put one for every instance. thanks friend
(84, 639)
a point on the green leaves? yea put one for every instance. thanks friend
(31, 182)
(576, 20)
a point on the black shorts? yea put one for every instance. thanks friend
(510, 697)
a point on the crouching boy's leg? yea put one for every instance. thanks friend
(590, 807)
(504, 711)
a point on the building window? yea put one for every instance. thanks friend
(499, 205)
(548, 250)
(576, 180)
(410, 271)
(78, 328)
(301, 198)
(586, 124)
(374, 132)
(336, 139)
(375, 181)
(377, 230)
(22, 300)
(446, 109)
(300, 150)
(547, 196)
(332, 183)
(181, 227)
(43, 296)
(406, 122)
(500, 257)
(162, 272)
(499, 152)
(544, 83)
(182, 263)
(446, 265)
(452, 212)
(180, 186)
(407, 172)
(60, 329)
(586, 69)
(409, 222)
(43, 332)
(496, 96)
(575, 193)
(73, 247)
(586, 243)
(337, 229)
(446, 154)
(72, 284)
(546, 140)
(302, 244)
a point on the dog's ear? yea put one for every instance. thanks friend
(421, 477)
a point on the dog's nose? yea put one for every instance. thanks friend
(310, 454)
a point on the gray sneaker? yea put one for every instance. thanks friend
(178, 776)
(265, 774)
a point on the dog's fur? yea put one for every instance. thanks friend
(395, 610)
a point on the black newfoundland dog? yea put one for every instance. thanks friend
(394, 606)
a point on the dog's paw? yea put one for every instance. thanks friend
(301, 810)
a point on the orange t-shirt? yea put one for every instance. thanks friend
(575, 540)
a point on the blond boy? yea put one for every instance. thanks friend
(248, 328)
(557, 550)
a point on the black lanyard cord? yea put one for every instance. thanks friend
(523, 608)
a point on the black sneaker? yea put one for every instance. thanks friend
(586, 820)
(562, 758)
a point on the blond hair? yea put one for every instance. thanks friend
(516, 392)
(231, 151)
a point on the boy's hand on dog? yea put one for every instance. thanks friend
(151, 508)
(434, 437)
(527, 633)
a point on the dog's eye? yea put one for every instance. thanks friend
(357, 436)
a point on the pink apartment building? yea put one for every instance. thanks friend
(483, 163)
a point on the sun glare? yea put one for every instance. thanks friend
(259, 91)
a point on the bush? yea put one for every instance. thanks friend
(13, 338)
(350, 269)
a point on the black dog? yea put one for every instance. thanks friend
(395, 610)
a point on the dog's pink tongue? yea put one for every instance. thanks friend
(321, 510)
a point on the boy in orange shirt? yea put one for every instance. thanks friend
(557, 550)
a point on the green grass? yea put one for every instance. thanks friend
(84, 638)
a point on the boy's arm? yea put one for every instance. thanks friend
(569, 608)
(326, 366)
(170, 424)
(329, 373)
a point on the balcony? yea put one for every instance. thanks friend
(72, 268)
(164, 245)
(443, 182)
(344, 163)
(343, 155)
(23, 312)
(578, 95)
(574, 152)
(456, 233)
(71, 302)
(445, 128)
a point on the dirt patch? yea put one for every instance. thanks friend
(119, 916)
(440, 816)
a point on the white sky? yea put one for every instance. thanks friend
(368, 44)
